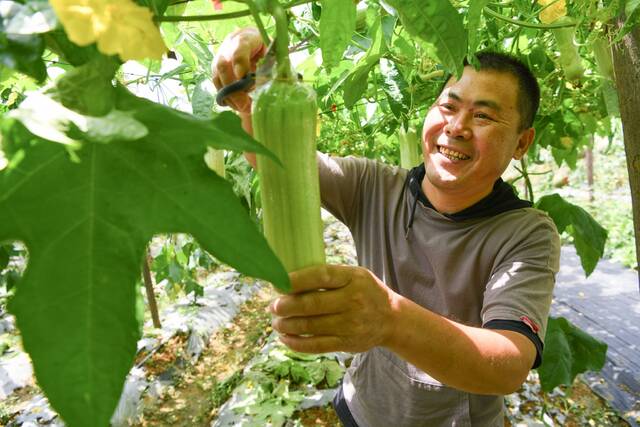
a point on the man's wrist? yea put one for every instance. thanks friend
(394, 324)
(245, 118)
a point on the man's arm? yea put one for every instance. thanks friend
(472, 359)
(344, 308)
(248, 127)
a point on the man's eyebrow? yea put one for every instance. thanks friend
(479, 103)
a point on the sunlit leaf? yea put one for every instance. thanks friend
(395, 88)
(337, 24)
(439, 24)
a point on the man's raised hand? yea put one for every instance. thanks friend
(238, 55)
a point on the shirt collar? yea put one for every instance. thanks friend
(501, 199)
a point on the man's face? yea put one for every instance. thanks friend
(472, 132)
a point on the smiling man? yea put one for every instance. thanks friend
(447, 309)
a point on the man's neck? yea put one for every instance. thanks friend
(450, 202)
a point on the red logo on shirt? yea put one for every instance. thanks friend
(530, 323)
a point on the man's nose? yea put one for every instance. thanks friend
(458, 126)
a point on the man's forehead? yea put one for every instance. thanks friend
(486, 87)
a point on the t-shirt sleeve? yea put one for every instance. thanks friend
(520, 287)
(341, 185)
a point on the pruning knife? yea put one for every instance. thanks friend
(245, 84)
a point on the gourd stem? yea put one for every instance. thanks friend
(282, 40)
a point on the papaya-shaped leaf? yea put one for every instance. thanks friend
(395, 88)
(23, 53)
(568, 351)
(86, 224)
(337, 24)
(439, 24)
(589, 237)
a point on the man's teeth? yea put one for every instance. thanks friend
(453, 155)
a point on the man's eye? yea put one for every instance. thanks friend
(447, 106)
(483, 116)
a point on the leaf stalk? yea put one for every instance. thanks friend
(525, 24)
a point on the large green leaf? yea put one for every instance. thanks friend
(568, 351)
(86, 221)
(439, 24)
(337, 24)
(589, 237)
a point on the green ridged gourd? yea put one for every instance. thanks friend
(569, 56)
(284, 116)
(410, 149)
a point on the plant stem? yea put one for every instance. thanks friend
(527, 180)
(526, 24)
(221, 16)
(256, 17)
(282, 40)
(151, 297)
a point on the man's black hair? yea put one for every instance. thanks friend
(528, 89)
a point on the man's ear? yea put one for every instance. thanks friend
(524, 142)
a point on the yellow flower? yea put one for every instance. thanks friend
(118, 26)
(553, 12)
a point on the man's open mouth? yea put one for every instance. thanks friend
(451, 154)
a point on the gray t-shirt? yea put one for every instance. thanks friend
(472, 271)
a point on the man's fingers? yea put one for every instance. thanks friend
(240, 102)
(322, 277)
(217, 82)
(248, 50)
(314, 325)
(310, 304)
(317, 344)
(224, 71)
(238, 55)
